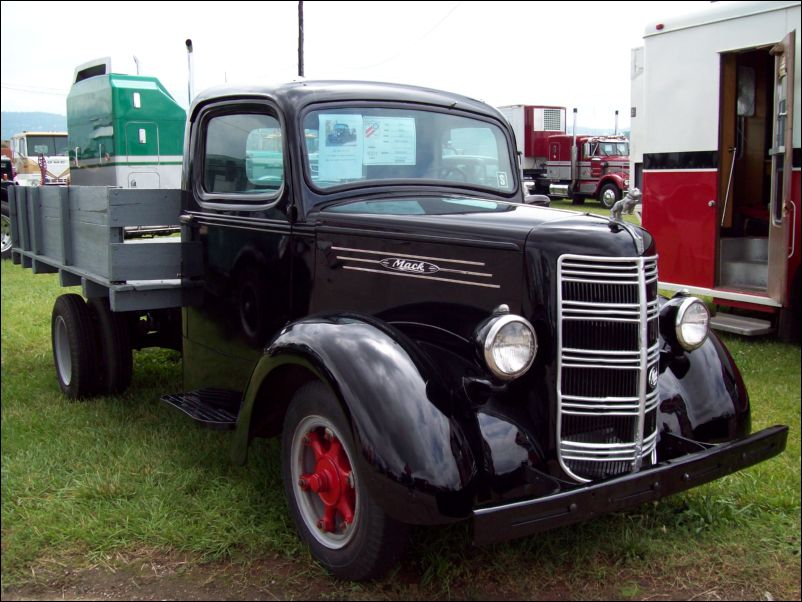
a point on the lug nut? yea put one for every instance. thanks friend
(328, 435)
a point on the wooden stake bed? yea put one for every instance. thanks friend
(79, 233)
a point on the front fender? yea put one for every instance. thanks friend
(702, 394)
(616, 179)
(413, 455)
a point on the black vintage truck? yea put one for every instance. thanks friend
(429, 347)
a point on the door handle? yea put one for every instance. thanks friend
(711, 203)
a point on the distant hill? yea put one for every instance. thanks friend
(15, 122)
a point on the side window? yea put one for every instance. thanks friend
(243, 155)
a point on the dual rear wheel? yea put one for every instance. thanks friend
(91, 347)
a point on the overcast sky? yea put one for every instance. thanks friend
(574, 54)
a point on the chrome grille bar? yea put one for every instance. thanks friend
(607, 416)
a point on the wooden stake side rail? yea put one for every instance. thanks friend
(79, 233)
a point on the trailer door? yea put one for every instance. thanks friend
(781, 166)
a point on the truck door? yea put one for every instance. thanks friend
(237, 214)
(781, 204)
(595, 168)
(142, 148)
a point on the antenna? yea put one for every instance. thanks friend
(136, 61)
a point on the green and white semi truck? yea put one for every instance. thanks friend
(123, 130)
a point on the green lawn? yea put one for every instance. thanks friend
(589, 206)
(84, 482)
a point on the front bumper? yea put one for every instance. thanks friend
(708, 462)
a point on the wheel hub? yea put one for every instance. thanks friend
(331, 481)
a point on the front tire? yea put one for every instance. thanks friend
(609, 195)
(346, 531)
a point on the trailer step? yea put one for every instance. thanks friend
(743, 325)
(216, 409)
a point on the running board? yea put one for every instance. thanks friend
(216, 409)
(743, 325)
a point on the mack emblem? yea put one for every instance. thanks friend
(405, 265)
(653, 378)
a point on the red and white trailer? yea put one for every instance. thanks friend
(568, 165)
(716, 153)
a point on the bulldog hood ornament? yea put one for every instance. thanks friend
(627, 205)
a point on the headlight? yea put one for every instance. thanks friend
(508, 344)
(691, 324)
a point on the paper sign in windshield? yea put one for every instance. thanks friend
(389, 141)
(341, 147)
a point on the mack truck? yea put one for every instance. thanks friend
(562, 165)
(429, 347)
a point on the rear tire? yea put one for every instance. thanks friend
(115, 359)
(5, 231)
(346, 531)
(74, 349)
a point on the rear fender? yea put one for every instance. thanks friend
(414, 457)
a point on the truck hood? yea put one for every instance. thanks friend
(491, 222)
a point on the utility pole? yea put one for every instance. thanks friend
(300, 38)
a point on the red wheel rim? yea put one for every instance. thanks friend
(325, 484)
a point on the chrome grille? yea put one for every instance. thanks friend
(608, 344)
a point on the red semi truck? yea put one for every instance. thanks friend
(559, 164)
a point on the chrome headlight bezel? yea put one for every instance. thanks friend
(682, 314)
(487, 338)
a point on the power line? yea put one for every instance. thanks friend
(32, 89)
(420, 39)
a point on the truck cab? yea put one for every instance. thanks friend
(40, 158)
(588, 166)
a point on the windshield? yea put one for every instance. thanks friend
(612, 149)
(357, 145)
(49, 146)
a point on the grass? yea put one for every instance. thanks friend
(589, 206)
(85, 482)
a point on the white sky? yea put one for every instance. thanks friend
(573, 54)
